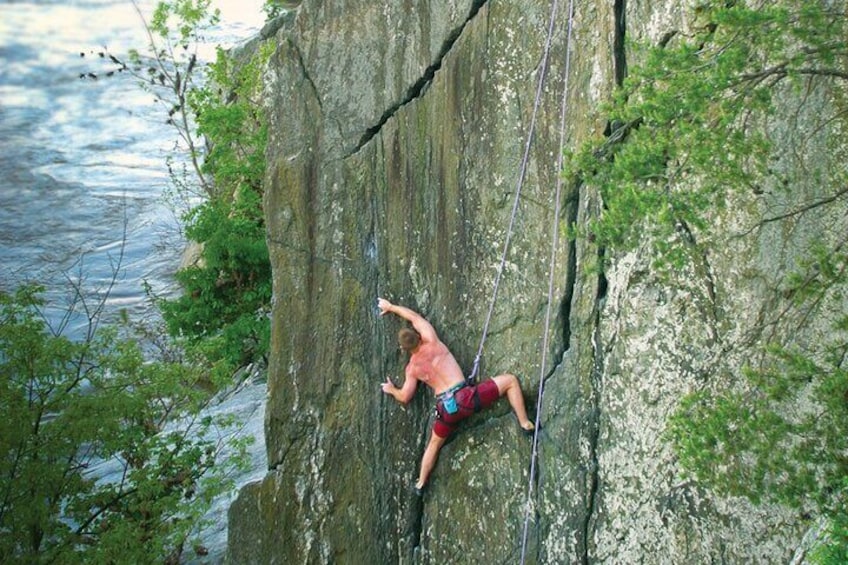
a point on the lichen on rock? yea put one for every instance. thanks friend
(396, 135)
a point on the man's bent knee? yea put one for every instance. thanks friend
(505, 382)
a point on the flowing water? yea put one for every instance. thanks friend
(82, 168)
(82, 162)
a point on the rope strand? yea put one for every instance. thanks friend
(554, 246)
(520, 184)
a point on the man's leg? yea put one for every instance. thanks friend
(508, 385)
(428, 461)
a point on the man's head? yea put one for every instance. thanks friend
(408, 339)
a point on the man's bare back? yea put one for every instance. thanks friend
(434, 365)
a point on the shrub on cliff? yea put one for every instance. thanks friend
(691, 129)
(226, 296)
(225, 301)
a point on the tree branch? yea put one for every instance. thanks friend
(796, 212)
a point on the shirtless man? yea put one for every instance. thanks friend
(432, 363)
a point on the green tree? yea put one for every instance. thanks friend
(226, 296)
(782, 439)
(72, 407)
(689, 133)
(782, 435)
(223, 310)
(215, 108)
(684, 127)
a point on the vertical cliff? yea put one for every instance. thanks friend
(397, 131)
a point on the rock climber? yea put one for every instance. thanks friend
(432, 363)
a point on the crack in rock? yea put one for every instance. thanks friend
(418, 88)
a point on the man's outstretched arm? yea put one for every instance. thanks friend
(421, 325)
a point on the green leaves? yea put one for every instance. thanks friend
(781, 435)
(183, 19)
(691, 129)
(70, 407)
(781, 438)
(683, 135)
(234, 128)
(225, 300)
(222, 313)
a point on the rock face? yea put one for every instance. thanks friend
(397, 135)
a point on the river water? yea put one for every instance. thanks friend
(82, 159)
(82, 171)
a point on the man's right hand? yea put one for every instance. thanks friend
(384, 306)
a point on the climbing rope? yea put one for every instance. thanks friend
(552, 267)
(520, 184)
(554, 242)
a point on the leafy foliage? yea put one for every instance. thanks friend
(688, 114)
(782, 440)
(72, 409)
(765, 444)
(783, 435)
(689, 131)
(222, 308)
(226, 295)
(107, 455)
(234, 127)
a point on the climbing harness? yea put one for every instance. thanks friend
(449, 400)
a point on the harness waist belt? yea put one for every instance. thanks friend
(451, 390)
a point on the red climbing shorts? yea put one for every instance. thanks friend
(469, 400)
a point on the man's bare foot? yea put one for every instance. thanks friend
(529, 428)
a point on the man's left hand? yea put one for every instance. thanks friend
(388, 386)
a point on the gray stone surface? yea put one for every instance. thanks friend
(397, 131)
